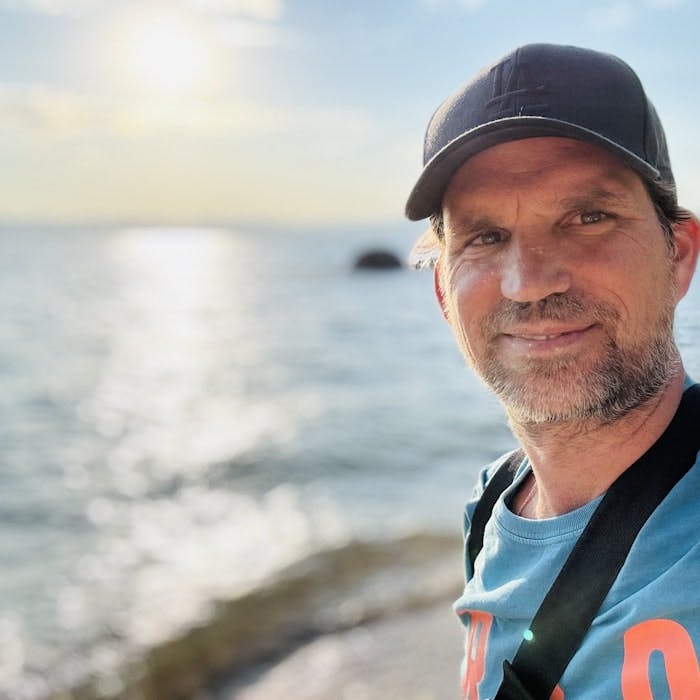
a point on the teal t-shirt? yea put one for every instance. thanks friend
(643, 643)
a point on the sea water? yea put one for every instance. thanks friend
(196, 423)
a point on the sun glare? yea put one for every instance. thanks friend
(167, 55)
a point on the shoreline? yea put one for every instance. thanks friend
(362, 607)
(414, 655)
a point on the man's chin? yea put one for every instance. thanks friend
(577, 398)
(524, 408)
(560, 390)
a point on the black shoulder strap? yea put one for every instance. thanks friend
(572, 602)
(496, 485)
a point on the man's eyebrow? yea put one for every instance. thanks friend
(472, 224)
(597, 196)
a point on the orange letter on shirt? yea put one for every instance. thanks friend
(557, 694)
(475, 652)
(475, 655)
(674, 642)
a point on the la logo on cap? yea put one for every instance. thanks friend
(519, 93)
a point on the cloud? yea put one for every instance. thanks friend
(45, 110)
(617, 15)
(268, 10)
(622, 14)
(247, 33)
(262, 10)
(664, 4)
(73, 157)
(465, 4)
(56, 114)
(54, 7)
(233, 118)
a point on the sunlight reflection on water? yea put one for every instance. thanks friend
(160, 391)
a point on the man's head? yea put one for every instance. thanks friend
(544, 90)
(562, 250)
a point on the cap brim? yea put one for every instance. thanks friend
(426, 197)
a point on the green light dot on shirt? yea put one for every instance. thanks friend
(528, 636)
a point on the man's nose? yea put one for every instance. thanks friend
(532, 272)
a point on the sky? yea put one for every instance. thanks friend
(300, 113)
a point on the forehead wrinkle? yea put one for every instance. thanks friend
(599, 194)
(597, 197)
(577, 172)
(482, 209)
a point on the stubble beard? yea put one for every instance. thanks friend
(569, 389)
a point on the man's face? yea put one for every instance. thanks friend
(558, 280)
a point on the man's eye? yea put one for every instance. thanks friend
(487, 238)
(593, 217)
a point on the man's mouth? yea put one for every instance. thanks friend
(548, 338)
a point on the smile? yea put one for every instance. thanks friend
(525, 336)
(548, 338)
(541, 337)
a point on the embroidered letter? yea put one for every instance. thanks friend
(515, 91)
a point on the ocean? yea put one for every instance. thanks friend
(217, 442)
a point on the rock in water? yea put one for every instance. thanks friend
(377, 260)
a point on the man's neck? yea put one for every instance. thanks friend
(575, 463)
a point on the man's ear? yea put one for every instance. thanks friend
(439, 293)
(687, 243)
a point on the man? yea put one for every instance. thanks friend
(561, 254)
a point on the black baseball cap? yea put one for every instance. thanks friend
(542, 90)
